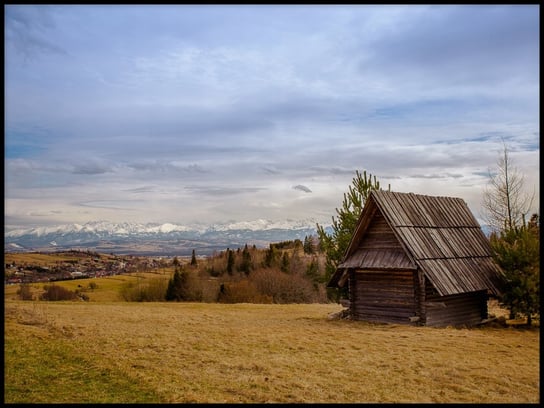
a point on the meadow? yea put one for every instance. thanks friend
(109, 351)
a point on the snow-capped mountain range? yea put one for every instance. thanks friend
(152, 238)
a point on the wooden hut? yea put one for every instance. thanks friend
(418, 259)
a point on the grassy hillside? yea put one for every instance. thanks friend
(284, 273)
(107, 288)
(50, 259)
(106, 350)
(103, 351)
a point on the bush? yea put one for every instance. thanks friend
(81, 295)
(210, 289)
(283, 287)
(55, 292)
(152, 290)
(24, 292)
(242, 291)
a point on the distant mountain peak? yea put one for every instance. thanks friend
(156, 238)
(124, 228)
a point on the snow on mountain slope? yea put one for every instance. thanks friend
(168, 236)
(125, 228)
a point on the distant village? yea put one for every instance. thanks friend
(79, 265)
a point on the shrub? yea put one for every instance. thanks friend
(128, 292)
(81, 295)
(152, 290)
(24, 292)
(55, 292)
(242, 291)
(210, 289)
(283, 287)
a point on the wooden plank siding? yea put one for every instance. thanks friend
(465, 309)
(379, 248)
(418, 256)
(382, 296)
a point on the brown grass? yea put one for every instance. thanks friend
(46, 259)
(107, 287)
(198, 352)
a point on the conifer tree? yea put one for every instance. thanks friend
(343, 226)
(230, 261)
(309, 244)
(193, 259)
(181, 288)
(173, 291)
(517, 251)
(245, 265)
(285, 262)
(270, 256)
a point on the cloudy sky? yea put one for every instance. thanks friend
(214, 114)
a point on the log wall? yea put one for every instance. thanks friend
(465, 309)
(396, 297)
(379, 235)
(382, 296)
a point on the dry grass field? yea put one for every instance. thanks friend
(43, 259)
(107, 287)
(120, 352)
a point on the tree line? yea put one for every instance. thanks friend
(285, 272)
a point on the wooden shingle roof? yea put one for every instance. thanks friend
(438, 235)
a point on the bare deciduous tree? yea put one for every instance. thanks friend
(505, 202)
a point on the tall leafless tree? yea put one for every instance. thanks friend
(505, 201)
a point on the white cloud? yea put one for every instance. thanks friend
(188, 113)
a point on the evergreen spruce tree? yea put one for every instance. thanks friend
(193, 259)
(173, 291)
(180, 287)
(270, 256)
(245, 265)
(343, 227)
(230, 261)
(308, 245)
(517, 251)
(285, 262)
